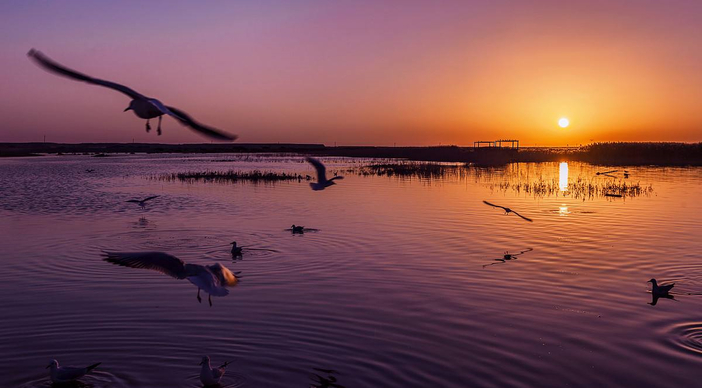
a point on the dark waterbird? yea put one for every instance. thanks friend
(662, 290)
(211, 376)
(236, 250)
(508, 210)
(142, 202)
(322, 181)
(142, 106)
(213, 279)
(297, 229)
(66, 374)
(508, 256)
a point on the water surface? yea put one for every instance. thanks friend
(389, 292)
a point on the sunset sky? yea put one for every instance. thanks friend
(359, 72)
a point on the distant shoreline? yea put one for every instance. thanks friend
(616, 153)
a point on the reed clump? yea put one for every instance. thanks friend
(422, 170)
(579, 188)
(255, 176)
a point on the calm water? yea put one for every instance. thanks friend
(389, 292)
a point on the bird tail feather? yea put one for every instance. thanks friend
(91, 367)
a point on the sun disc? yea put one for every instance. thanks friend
(563, 122)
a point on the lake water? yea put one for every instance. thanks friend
(390, 291)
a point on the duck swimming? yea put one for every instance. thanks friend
(236, 250)
(297, 229)
(660, 290)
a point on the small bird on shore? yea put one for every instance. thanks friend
(142, 106)
(142, 202)
(662, 290)
(508, 210)
(65, 374)
(211, 376)
(297, 229)
(322, 181)
(213, 279)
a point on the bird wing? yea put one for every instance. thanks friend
(48, 64)
(133, 201)
(150, 198)
(157, 261)
(217, 373)
(493, 205)
(186, 120)
(521, 216)
(321, 170)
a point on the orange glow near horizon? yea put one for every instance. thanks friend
(362, 73)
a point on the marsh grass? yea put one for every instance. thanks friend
(421, 170)
(579, 188)
(255, 176)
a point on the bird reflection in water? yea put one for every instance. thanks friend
(508, 257)
(319, 381)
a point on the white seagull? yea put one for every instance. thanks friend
(142, 106)
(142, 202)
(65, 374)
(213, 279)
(322, 181)
(211, 376)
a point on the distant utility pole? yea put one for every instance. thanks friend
(44, 138)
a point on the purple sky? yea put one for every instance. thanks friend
(358, 72)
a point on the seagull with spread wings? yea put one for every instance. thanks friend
(142, 202)
(142, 106)
(322, 181)
(508, 210)
(213, 279)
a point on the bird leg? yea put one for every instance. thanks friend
(158, 130)
(148, 127)
(198, 296)
(209, 299)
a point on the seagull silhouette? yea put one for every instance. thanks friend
(67, 374)
(142, 202)
(211, 376)
(660, 290)
(142, 106)
(508, 210)
(322, 181)
(213, 279)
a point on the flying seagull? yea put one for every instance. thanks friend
(142, 202)
(322, 181)
(142, 106)
(65, 374)
(507, 210)
(211, 376)
(213, 279)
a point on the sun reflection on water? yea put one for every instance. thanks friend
(563, 176)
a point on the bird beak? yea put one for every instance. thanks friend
(200, 363)
(48, 366)
(128, 108)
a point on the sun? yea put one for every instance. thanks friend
(563, 122)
